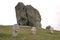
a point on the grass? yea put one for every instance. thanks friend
(25, 34)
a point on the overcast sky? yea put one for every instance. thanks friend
(49, 10)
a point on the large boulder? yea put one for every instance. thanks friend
(33, 16)
(27, 15)
(21, 14)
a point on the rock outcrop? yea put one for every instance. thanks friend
(48, 27)
(27, 15)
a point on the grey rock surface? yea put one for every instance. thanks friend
(27, 15)
(21, 14)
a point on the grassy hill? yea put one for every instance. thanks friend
(25, 34)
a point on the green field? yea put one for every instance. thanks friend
(25, 34)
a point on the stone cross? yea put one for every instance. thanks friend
(33, 30)
(15, 30)
(51, 30)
